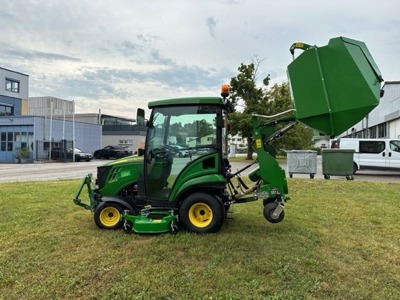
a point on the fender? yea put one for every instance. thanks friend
(116, 199)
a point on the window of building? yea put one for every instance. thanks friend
(6, 110)
(12, 85)
(6, 141)
(382, 130)
(125, 142)
(372, 132)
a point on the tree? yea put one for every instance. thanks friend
(243, 87)
(263, 101)
(300, 136)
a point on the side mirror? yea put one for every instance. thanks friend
(140, 152)
(140, 116)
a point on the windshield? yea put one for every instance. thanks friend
(176, 136)
(395, 146)
(188, 127)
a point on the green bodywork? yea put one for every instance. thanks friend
(151, 221)
(124, 172)
(335, 86)
(185, 101)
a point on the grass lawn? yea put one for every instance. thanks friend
(340, 240)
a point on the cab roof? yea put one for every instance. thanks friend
(186, 101)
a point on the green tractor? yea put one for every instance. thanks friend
(159, 190)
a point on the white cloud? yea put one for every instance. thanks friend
(127, 52)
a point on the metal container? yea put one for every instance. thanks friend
(302, 162)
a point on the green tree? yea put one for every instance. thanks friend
(300, 136)
(244, 88)
(263, 101)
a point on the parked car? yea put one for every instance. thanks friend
(182, 152)
(372, 154)
(57, 154)
(112, 151)
(178, 151)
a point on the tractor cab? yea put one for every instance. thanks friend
(185, 141)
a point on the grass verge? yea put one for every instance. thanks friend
(340, 240)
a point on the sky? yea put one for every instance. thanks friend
(117, 55)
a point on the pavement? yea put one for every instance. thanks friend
(55, 170)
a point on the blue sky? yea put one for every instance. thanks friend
(118, 55)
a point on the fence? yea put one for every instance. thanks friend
(58, 150)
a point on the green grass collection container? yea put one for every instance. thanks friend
(337, 162)
(335, 86)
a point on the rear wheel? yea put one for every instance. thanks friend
(108, 215)
(97, 155)
(201, 213)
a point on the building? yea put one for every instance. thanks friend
(14, 91)
(384, 120)
(50, 106)
(39, 133)
(36, 133)
(115, 130)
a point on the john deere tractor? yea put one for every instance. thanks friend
(158, 190)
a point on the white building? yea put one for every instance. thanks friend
(384, 120)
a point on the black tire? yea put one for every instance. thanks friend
(354, 168)
(77, 159)
(174, 229)
(128, 226)
(201, 213)
(327, 176)
(97, 155)
(268, 213)
(290, 175)
(268, 200)
(108, 215)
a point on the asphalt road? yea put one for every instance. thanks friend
(54, 171)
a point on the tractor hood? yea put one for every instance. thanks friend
(116, 175)
(125, 160)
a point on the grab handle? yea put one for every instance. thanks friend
(298, 45)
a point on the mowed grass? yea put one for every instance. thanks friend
(339, 240)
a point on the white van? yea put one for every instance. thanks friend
(378, 154)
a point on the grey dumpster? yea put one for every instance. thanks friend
(302, 162)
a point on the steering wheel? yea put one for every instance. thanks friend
(158, 154)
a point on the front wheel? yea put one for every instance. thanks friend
(108, 215)
(201, 213)
(269, 210)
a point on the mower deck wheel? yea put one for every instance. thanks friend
(269, 209)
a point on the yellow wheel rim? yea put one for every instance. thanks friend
(200, 215)
(110, 216)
